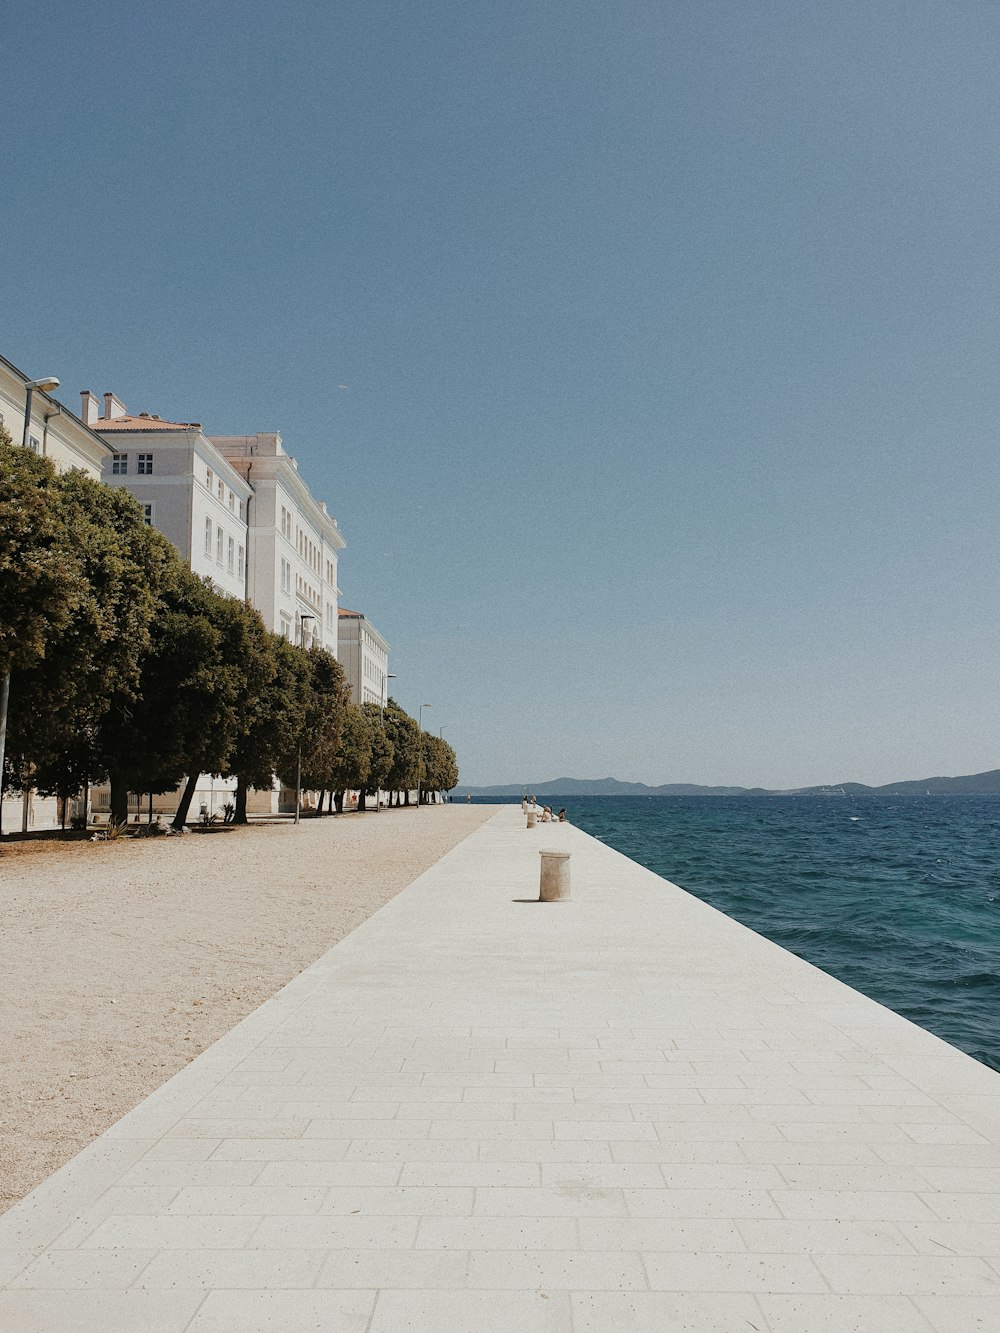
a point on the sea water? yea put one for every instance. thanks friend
(898, 896)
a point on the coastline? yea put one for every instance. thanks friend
(121, 962)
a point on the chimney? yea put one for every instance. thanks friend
(90, 407)
(113, 407)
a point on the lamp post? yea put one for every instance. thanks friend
(420, 752)
(47, 383)
(298, 767)
(383, 700)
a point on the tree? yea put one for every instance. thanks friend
(40, 582)
(352, 758)
(120, 565)
(315, 746)
(404, 736)
(273, 720)
(440, 769)
(380, 755)
(186, 717)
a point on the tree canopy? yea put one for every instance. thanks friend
(122, 664)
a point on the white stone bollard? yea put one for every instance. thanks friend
(531, 819)
(553, 882)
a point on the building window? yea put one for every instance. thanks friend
(208, 477)
(218, 545)
(239, 561)
(286, 576)
(119, 465)
(209, 525)
(231, 555)
(34, 444)
(286, 523)
(147, 513)
(241, 511)
(286, 626)
(232, 503)
(221, 489)
(144, 465)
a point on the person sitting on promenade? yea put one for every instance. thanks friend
(561, 816)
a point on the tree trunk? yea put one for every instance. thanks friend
(406, 796)
(240, 813)
(319, 803)
(187, 796)
(119, 799)
(361, 799)
(339, 802)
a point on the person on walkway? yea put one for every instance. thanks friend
(561, 816)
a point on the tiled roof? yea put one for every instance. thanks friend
(343, 611)
(142, 422)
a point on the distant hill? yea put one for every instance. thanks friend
(974, 784)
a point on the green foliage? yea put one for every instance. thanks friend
(274, 704)
(60, 700)
(352, 758)
(440, 768)
(381, 751)
(326, 699)
(124, 664)
(40, 582)
(203, 649)
(404, 737)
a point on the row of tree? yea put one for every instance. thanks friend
(118, 664)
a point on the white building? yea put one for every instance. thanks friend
(53, 431)
(186, 487)
(238, 511)
(364, 655)
(293, 542)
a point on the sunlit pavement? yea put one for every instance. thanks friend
(483, 1113)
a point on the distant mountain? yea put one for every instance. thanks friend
(605, 787)
(974, 784)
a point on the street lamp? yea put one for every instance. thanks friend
(383, 700)
(47, 383)
(298, 768)
(420, 752)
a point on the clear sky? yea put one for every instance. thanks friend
(647, 352)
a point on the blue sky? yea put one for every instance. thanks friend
(668, 330)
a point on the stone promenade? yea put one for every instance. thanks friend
(482, 1114)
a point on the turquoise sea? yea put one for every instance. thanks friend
(898, 896)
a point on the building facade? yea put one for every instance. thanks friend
(186, 487)
(294, 543)
(237, 511)
(364, 655)
(53, 431)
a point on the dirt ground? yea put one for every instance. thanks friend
(122, 961)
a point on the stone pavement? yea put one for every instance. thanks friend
(482, 1114)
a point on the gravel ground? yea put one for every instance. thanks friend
(120, 962)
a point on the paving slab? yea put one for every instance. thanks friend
(621, 1111)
